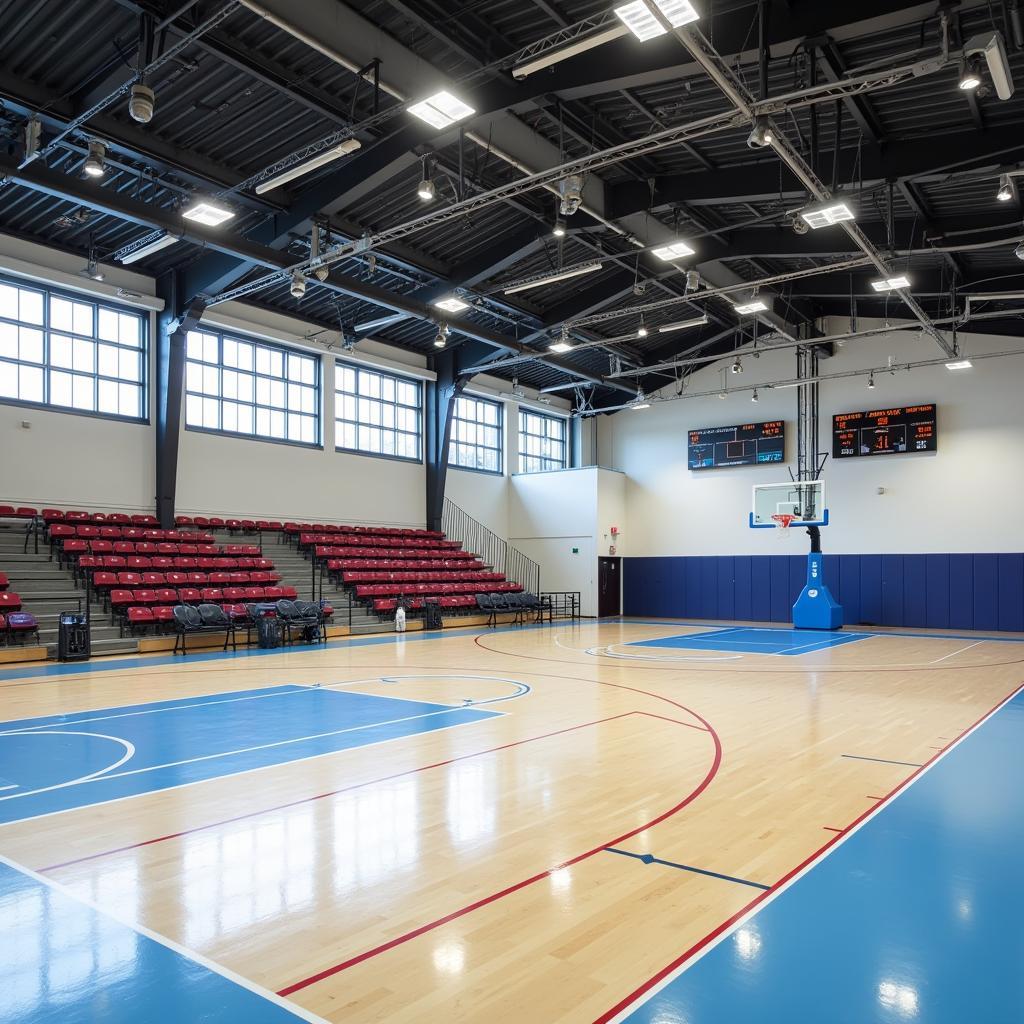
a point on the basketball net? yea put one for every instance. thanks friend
(783, 520)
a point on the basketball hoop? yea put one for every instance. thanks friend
(783, 520)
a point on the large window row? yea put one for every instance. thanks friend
(541, 442)
(236, 386)
(476, 441)
(71, 353)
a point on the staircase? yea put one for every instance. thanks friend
(47, 590)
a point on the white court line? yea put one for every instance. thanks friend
(281, 692)
(822, 856)
(210, 757)
(170, 944)
(129, 752)
(5, 788)
(955, 653)
(231, 775)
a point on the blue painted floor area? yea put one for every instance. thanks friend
(60, 960)
(55, 764)
(789, 642)
(916, 917)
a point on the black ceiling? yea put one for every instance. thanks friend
(921, 160)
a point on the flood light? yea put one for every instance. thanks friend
(824, 216)
(891, 284)
(673, 251)
(441, 110)
(640, 17)
(207, 212)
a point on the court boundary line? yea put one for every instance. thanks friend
(300, 1012)
(664, 977)
(245, 771)
(331, 793)
(399, 940)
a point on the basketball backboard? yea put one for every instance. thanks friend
(804, 500)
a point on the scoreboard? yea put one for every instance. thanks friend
(743, 445)
(884, 432)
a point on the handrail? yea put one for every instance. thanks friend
(492, 549)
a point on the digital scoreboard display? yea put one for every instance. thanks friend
(884, 432)
(744, 445)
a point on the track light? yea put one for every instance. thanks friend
(298, 287)
(441, 110)
(451, 304)
(754, 397)
(737, 367)
(761, 134)
(559, 229)
(517, 391)
(970, 74)
(722, 396)
(207, 212)
(682, 325)
(141, 101)
(442, 336)
(642, 330)
(826, 215)
(673, 251)
(95, 163)
(692, 280)
(33, 133)
(1005, 193)
(320, 273)
(640, 17)
(871, 382)
(92, 270)
(991, 46)
(307, 166)
(571, 190)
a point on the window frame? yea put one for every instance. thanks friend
(500, 427)
(521, 434)
(221, 334)
(340, 421)
(97, 302)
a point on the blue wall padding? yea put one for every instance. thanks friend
(937, 591)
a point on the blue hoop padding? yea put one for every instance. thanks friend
(772, 526)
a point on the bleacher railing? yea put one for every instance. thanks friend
(492, 549)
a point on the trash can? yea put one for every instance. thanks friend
(268, 631)
(432, 615)
(73, 639)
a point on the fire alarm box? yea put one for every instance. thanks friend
(614, 531)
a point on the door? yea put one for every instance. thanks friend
(609, 586)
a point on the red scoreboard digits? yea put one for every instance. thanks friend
(884, 432)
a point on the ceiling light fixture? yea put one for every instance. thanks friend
(207, 212)
(1019, 251)
(642, 330)
(970, 74)
(546, 60)
(871, 382)
(640, 17)
(163, 242)
(92, 271)
(692, 280)
(95, 165)
(426, 190)
(754, 306)
(959, 364)
(563, 275)
(673, 251)
(141, 103)
(307, 166)
(451, 304)
(891, 284)
(442, 336)
(754, 397)
(826, 215)
(1005, 193)
(298, 286)
(559, 229)
(682, 325)
(761, 134)
(441, 110)
(737, 367)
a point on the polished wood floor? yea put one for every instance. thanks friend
(464, 875)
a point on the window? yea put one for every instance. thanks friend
(237, 386)
(476, 435)
(376, 413)
(541, 442)
(71, 353)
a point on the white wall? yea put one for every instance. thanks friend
(965, 497)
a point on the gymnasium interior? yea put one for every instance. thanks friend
(510, 511)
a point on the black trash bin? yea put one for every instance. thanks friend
(432, 615)
(268, 631)
(73, 639)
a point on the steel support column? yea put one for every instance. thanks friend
(173, 325)
(807, 454)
